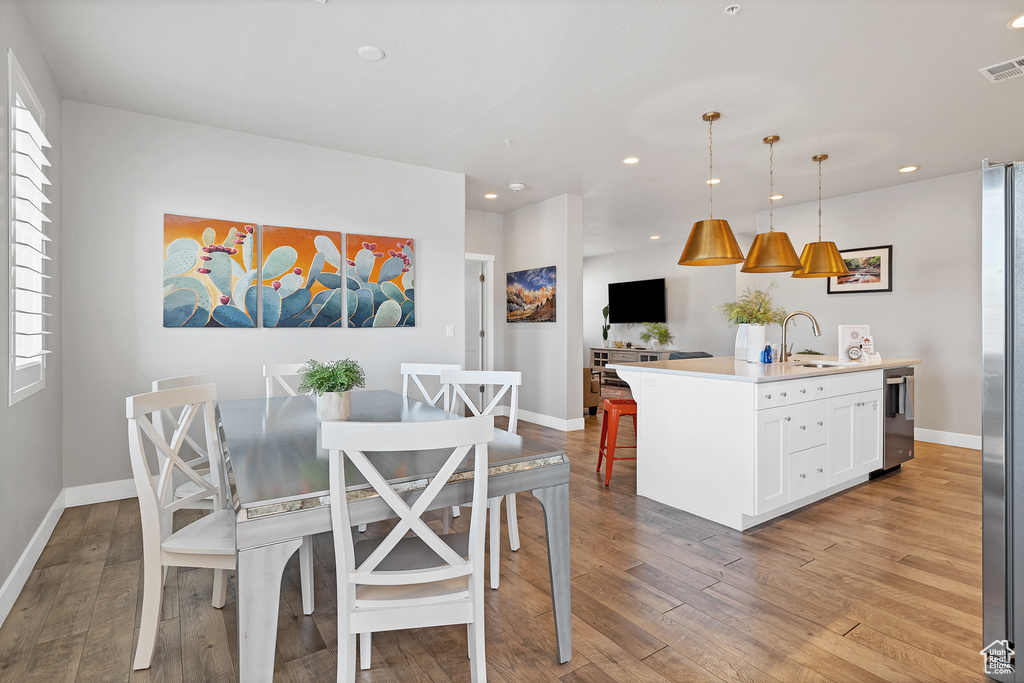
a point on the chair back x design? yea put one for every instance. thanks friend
(275, 374)
(194, 452)
(426, 579)
(414, 371)
(507, 382)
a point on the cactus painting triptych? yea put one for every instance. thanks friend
(221, 273)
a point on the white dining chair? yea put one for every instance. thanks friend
(507, 382)
(420, 581)
(208, 542)
(198, 458)
(412, 372)
(275, 378)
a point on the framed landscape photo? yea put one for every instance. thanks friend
(870, 271)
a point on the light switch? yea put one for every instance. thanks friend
(449, 331)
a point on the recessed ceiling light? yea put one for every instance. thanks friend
(490, 195)
(655, 237)
(1017, 23)
(775, 197)
(713, 181)
(630, 160)
(908, 169)
(371, 53)
(732, 10)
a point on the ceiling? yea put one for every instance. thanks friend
(574, 86)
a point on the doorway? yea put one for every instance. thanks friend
(479, 342)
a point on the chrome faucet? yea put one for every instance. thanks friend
(814, 328)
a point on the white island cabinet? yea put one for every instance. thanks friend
(742, 443)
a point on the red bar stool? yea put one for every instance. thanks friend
(614, 408)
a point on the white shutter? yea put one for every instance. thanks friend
(27, 237)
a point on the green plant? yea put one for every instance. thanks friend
(754, 308)
(336, 376)
(809, 352)
(605, 327)
(656, 331)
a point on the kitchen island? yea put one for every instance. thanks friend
(741, 443)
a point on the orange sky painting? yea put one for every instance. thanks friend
(190, 227)
(300, 239)
(354, 242)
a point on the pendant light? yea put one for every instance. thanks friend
(711, 242)
(771, 252)
(821, 259)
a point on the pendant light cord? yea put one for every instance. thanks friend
(711, 175)
(771, 184)
(819, 200)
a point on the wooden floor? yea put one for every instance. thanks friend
(880, 583)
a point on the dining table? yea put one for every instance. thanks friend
(279, 477)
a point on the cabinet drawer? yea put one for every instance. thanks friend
(627, 356)
(772, 394)
(808, 472)
(808, 425)
(854, 382)
(811, 389)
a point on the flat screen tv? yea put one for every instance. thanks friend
(640, 301)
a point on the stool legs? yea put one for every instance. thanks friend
(609, 434)
(613, 433)
(604, 435)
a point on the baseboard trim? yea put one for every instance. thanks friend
(948, 438)
(18, 577)
(102, 492)
(552, 422)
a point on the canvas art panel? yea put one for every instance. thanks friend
(530, 296)
(380, 280)
(209, 272)
(301, 277)
(870, 271)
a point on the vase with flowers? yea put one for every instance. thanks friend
(750, 313)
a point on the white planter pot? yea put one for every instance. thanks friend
(755, 343)
(334, 406)
(740, 353)
(605, 341)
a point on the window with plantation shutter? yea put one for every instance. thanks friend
(27, 236)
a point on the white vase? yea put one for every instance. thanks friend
(333, 406)
(740, 353)
(755, 343)
(605, 341)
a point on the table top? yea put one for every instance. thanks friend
(278, 465)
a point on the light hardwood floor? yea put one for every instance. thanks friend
(879, 583)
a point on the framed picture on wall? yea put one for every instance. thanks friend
(870, 271)
(530, 296)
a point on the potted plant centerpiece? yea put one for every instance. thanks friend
(657, 335)
(605, 327)
(332, 382)
(751, 312)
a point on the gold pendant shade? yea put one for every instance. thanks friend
(711, 243)
(821, 259)
(771, 252)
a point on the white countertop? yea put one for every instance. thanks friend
(728, 368)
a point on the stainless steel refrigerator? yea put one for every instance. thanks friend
(1002, 413)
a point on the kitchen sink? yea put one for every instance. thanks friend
(826, 364)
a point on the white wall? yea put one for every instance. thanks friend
(692, 294)
(126, 170)
(934, 310)
(485, 235)
(549, 354)
(30, 439)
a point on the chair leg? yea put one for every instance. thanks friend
(613, 434)
(306, 573)
(494, 510)
(513, 521)
(361, 528)
(477, 655)
(346, 656)
(455, 511)
(220, 587)
(152, 597)
(604, 436)
(364, 651)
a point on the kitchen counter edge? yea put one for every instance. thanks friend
(727, 368)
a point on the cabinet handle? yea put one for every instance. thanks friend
(821, 388)
(803, 391)
(783, 394)
(821, 424)
(803, 426)
(820, 470)
(768, 396)
(803, 476)
(788, 418)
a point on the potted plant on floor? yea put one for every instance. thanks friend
(605, 327)
(332, 383)
(751, 312)
(657, 335)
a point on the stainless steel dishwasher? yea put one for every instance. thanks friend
(898, 430)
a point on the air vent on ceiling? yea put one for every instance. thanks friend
(1004, 71)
